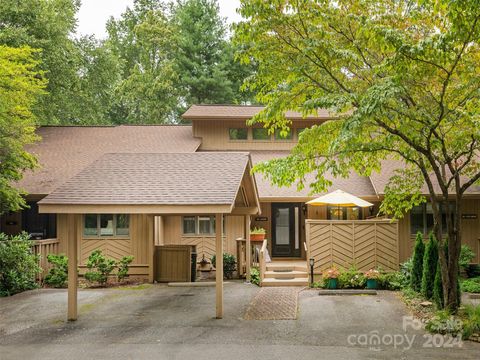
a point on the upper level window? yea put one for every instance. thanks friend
(260, 134)
(106, 225)
(421, 218)
(282, 136)
(238, 133)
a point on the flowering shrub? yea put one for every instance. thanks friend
(372, 274)
(332, 273)
(351, 279)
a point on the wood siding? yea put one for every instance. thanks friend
(172, 263)
(365, 244)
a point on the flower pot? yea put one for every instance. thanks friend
(257, 237)
(332, 283)
(372, 283)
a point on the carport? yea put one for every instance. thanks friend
(149, 185)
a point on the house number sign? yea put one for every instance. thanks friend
(261, 218)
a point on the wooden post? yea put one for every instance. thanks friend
(72, 267)
(150, 246)
(248, 250)
(219, 264)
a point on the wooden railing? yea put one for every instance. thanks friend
(262, 260)
(43, 248)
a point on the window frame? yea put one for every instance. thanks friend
(212, 225)
(425, 213)
(237, 128)
(114, 225)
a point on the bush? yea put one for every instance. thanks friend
(255, 276)
(392, 281)
(228, 265)
(444, 323)
(123, 266)
(430, 260)
(99, 267)
(471, 285)
(417, 268)
(438, 288)
(466, 257)
(58, 274)
(406, 271)
(471, 323)
(473, 270)
(18, 264)
(351, 279)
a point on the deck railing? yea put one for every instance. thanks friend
(262, 260)
(43, 248)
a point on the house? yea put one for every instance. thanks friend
(110, 182)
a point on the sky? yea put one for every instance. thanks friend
(94, 14)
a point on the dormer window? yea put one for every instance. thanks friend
(238, 133)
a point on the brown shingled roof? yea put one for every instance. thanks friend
(64, 151)
(357, 185)
(198, 112)
(211, 178)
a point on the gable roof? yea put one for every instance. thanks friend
(65, 150)
(212, 178)
(224, 112)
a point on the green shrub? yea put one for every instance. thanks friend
(58, 274)
(99, 267)
(351, 279)
(417, 269)
(317, 285)
(430, 260)
(471, 323)
(392, 281)
(466, 257)
(406, 271)
(255, 276)
(18, 264)
(123, 266)
(471, 285)
(444, 323)
(438, 287)
(228, 264)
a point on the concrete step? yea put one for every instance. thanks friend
(285, 274)
(286, 267)
(285, 282)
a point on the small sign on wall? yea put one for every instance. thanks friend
(469, 216)
(261, 218)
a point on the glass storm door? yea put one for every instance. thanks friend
(286, 226)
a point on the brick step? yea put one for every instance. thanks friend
(285, 282)
(285, 274)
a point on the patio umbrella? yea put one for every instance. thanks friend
(340, 198)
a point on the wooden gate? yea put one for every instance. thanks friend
(173, 263)
(365, 244)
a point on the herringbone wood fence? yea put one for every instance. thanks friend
(365, 244)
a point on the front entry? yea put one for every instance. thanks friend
(285, 230)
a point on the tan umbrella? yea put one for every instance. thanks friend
(340, 198)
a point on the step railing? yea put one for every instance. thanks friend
(43, 248)
(262, 261)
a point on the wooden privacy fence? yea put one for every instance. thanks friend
(365, 244)
(173, 263)
(43, 248)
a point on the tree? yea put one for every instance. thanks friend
(143, 41)
(398, 77)
(21, 83)
(430, 260)
(417, 269)
(47, 25)
(437, 288)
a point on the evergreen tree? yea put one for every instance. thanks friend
(417, 270)
(438, 288)
(430, 260)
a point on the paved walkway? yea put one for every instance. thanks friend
(274, 303)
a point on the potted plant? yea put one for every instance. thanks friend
(330, 276)
(257, 234)
(372, 277)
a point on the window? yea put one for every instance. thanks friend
(238, 134)
(344, 213)
(106, 225)
(199, 225)
(421, 218)
(299, 131)
(260, 134)
(279, 136)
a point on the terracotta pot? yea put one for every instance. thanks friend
(257, 237)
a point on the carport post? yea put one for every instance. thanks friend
(248, 250)
(72, 267)
(219, 264)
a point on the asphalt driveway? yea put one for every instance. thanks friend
(159, 322)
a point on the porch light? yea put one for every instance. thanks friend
(312, 263)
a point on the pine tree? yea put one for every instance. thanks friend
(430, 260)
(438, 288)
(417, 270)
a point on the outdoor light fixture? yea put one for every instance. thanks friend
(312, 263)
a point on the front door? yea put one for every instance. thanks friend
(285, 230)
